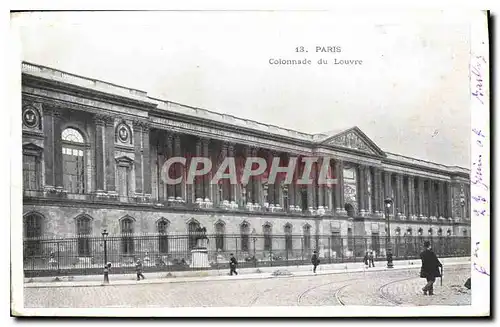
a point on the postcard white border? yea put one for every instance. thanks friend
(480, 227)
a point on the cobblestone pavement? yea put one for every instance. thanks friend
(399, 287)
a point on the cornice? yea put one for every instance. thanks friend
(65, 87)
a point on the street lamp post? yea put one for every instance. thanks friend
(254, 238)
(104, 237)
(388, 205)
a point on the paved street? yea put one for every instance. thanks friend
(390, 288)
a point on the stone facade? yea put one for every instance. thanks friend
(95, 150)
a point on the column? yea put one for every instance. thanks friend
(376, 190)
(277, 184)
(146, 159)
(421, 191)
(99, 153)
(431, 198)
(321, 188)
(339, 187)
(388, 190)
(171, 189)
(467, 201)
(291, 193)
(58, 157)
(138, 156)
(198, 182)
(441, 199)
(256, 183)
(179, 170)
(110, 156)
(399, 195)
(310, 196)
(224, 182)
(311, 199)
(298, 188)
(411, 197)
(366, 194)
(48, 151)
(232, 187)
(449, 200)
(161, 157)
(208, 176)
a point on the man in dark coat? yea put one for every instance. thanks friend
(138, 270)
(232, 265)
(430, 268)
(371, 260)
(315, 261)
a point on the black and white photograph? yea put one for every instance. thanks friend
(260, 163)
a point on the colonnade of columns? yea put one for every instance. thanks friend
(414, 197)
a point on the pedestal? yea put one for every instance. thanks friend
(199, 258)
(199, 255)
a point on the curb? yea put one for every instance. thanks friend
(223, 278)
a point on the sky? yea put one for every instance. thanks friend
(410, 95)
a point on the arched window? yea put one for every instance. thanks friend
(73, 161)
(244, 232)
(219, 235)
(288, 237)
(83, 231)
(162, 227)
(430, 232)
(307, 237)
(440, 232)
(33, 231)
(193, 226)
(268, 238)
(465, 232)
(127, 231)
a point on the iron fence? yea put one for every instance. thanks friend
(166, 252)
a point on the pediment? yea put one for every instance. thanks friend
(355, 139)
(32, 147)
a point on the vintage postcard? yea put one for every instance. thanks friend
(250, 163)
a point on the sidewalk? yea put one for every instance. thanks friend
(218, 275)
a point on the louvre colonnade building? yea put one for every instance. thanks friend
(92, 153)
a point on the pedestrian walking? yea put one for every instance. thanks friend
(107, 270)
(371, 260)
(315, 261)
(232, 265)
(430, 268)
(138, 269)
(365, 259)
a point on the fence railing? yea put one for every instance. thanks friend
(165, 252)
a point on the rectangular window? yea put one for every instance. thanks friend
(74, 170)
(30, 172)
(336, 243)
(244, 242)
(307, 241)
(267, 242)
(163, 244)
(123, 183)
(350, 240)
(288, 242)
(376, 243)
(219, 241)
